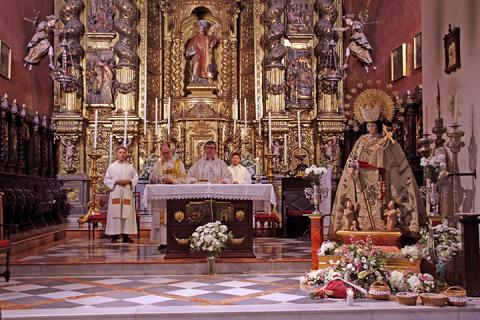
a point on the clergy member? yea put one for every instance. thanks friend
(121, 178)
(240, 173)
(168, 170)
(209, 169)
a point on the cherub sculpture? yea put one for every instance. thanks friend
(39, 45)
(392, 214)
(69, 148)
(349, 215)
(358, 46)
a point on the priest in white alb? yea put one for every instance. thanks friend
(209, 169)
(167, 170)
(240, 173)
(121, 177)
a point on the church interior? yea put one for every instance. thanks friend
(202, 159)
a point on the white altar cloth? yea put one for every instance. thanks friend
(155, 199)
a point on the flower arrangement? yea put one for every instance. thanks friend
(362, 263)
(412, 252)
(411, 282)
(327, 248)
(446, 243)
(319, 277)
(435, 167)
(250, 164)
(315, 174)
(210, 238)
(148, 166)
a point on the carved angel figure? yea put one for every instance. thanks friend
(392, 214)
(349, 214)
(39, 45)
(359, 46)
(69, 148)
(200, 51)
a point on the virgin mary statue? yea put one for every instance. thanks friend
(376, 173)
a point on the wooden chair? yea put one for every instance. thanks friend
(101, 199)
(6, 247)
(270, 219)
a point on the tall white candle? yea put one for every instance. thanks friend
(168, 114)
(156, 116)
(425, 118)
(259, 130)
(95, 131)
(245, 107)
(270, 129)
(110, 146)
(125, 130)
(299, 130)
(257, 166)
(285, 145)
(145, 117)
(235, 108)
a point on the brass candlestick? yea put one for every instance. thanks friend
(455, 145)
(93, 188)
(270, 167)
(424, 148)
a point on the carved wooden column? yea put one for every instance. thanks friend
(35, 146)
(21, 127)
(12, 137)
(3, 133)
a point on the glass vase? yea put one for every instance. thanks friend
(210, 265)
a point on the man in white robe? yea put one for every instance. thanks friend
(167, 170)
(209, 169)
(240, 173)
(121, 178)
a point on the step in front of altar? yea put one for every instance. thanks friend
(391, 263)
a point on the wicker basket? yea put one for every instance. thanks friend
(457, 296)
(407, 298)
(379, 290)
(433, 299)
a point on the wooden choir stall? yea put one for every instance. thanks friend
(182, 208)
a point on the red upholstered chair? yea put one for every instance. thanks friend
(270, 219)
(6, 248)
(101, 200)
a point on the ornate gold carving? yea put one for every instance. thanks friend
(239, 215)
(201, 110)
(73, 194)
(201, 127)
(179, 216)
(180, 241)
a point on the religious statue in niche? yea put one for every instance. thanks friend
(69, 154)
(299, 17)
(99, 76)
(40, 44)
(299, 78)
(199, 50)
(329, 148)
(358, 46)
(278, 153)
(273, 41)
(101, 16)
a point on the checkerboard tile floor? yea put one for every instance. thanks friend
(103, 292)
(101, 250)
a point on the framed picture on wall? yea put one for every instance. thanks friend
(5, 60)
(417, 51)
(399, 62)
(451, 43)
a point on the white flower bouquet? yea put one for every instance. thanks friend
(327, 248)
(411, 282)
(412, 252)
(435, 167)
(315, 174)
(210, 238)
(447, 242)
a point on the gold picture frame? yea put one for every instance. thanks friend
(398, 61)
(5, 60)
(417, 51)
(451, 43)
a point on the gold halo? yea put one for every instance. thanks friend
(374, 97)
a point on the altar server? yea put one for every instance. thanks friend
(240, 173)
(121, 178)
(209, 169)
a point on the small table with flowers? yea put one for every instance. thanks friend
(184, 207)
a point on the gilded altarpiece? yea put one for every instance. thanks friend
(263, 54)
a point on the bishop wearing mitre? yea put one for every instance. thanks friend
(121, 177)
(209, 169)
(240, 173)
(168, 170)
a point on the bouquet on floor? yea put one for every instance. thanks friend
(210, 238)
(411, 282)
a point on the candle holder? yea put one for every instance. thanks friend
(92, 205)
(270, 167)
(424, 148)
(455, 145)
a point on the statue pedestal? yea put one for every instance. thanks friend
(203, 91)
(316, 236)
(379, 238)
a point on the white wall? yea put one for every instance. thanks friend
(463, 83)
